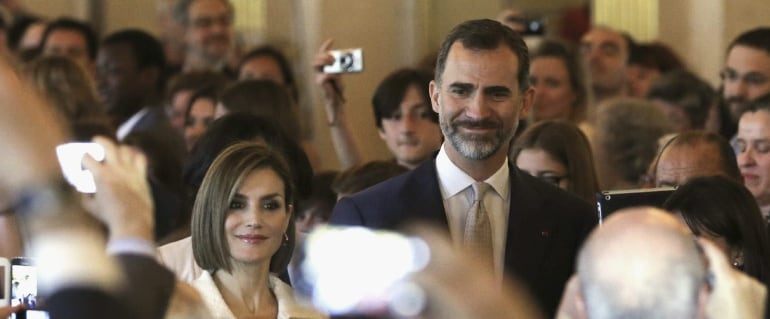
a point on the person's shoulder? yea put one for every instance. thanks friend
(178, 257)
(390, 187)
(381, 205)
(173, 249)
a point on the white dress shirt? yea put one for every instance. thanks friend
(457, 194)
(129, 124)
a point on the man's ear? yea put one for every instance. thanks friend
(527, 98)
(703, 299)
(572, 305)
(580, 306)
(381, 133)
(433, 90)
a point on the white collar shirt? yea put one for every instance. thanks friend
(457, 195)
(129, 124)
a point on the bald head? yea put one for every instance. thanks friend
(642, 263)
(695, 154)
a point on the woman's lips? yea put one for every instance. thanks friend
(251, 239)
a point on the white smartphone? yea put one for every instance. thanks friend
(70, 158)
(5, 282)
(23, 285)
(354, 270)
(346, 61)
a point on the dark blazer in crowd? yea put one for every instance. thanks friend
(146, 294)
(546, 225)
(156, 122)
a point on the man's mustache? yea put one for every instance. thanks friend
(477, 124)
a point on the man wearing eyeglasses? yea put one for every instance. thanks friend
(208, 33)
(746, 75)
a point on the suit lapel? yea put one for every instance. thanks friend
(422, 196)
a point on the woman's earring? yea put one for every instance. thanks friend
(285, 239)
(737, 259)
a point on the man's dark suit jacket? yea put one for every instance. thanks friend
(146, 295)
(546, 225)
(167, 150)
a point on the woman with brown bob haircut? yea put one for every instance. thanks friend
(243, 235)
(559, 153)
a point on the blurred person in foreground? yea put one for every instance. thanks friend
(674, 274)
(56, 231)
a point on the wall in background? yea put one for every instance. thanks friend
(398, 33)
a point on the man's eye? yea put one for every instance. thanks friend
(396, 116)
(552, 83)
(458, 91)
(755, 79)
(500, 96)
(728, 75)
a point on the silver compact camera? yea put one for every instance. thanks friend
(346, 61)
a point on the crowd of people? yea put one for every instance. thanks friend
(210, 190)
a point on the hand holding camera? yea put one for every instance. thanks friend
(330, 83)
(122, 200)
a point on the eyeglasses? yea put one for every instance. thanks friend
(760, 146)
(750, 78)
(208, 22)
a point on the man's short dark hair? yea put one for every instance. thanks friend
(194, 81)
(687, 91)
(183, 6)
(389, 94)
(147, 50)
(283, 65)
(486, 34)
(84, 29)
(758, 38)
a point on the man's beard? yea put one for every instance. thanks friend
(473, 146)
(736, 105)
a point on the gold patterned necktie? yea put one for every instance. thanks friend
(478, 229)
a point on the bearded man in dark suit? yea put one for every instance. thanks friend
(481, 91)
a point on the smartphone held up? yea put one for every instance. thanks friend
(70, 158)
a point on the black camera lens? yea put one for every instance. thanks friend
(346, 61)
